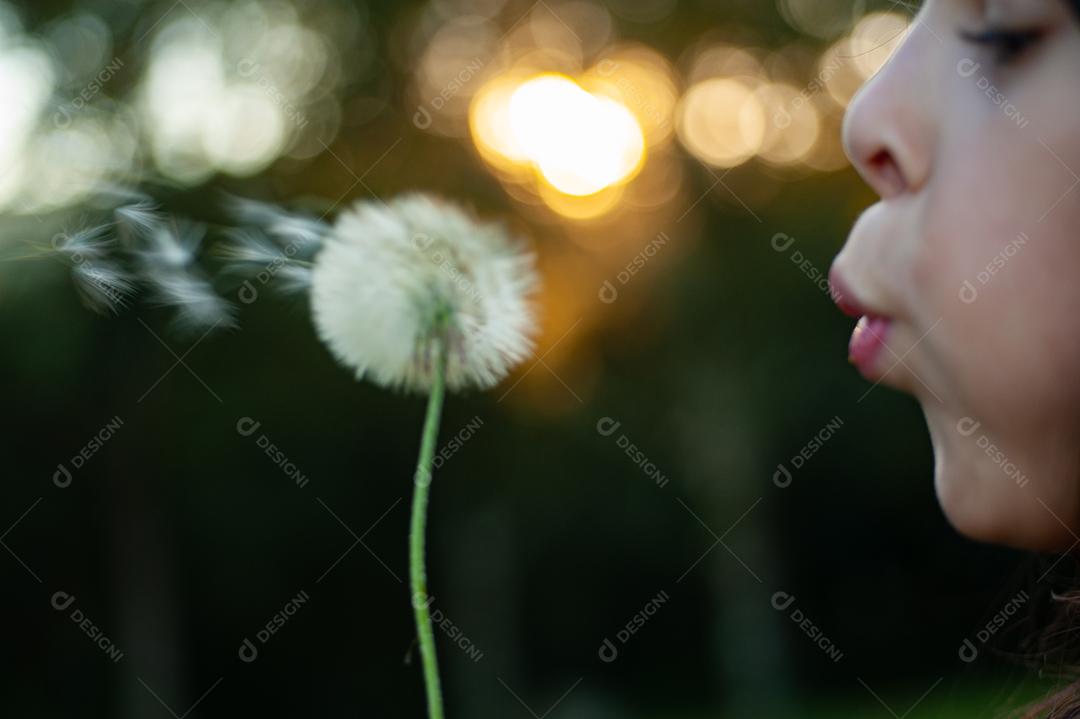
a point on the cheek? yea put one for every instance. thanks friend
(999, 265)
(998, 262)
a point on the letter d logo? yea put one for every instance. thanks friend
(247, 652)
(61, 477)
(62, 600)
(967, 426)
(422, 118)
(607, 426)
(608, 653)
(967, 67)
(246, 426)
(782, 600)
(781, 241)
(247, 293)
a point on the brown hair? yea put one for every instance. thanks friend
(1055, 651)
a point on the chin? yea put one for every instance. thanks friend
(986, 497)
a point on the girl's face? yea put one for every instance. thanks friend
(967, 272)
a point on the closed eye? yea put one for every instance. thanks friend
(1007, 45)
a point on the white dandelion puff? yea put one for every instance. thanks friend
(391, 281)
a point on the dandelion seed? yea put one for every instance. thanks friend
(86, 243)
(392, 281)
(173, 247)
(102, 286)
(197, 305)
(251, 212)
(299, 232)
(141, 217)
(168, 268)
(293, 279)
(249, 246)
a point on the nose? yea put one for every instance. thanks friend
(887, 127)
(889, 135)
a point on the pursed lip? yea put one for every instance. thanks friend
(844, 298)
(869, 337)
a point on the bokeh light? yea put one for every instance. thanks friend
(721, 121)
(578, 142)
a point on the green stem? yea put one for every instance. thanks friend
(417, 571)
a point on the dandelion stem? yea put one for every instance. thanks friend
(417, 571)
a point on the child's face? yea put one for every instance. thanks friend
(969, 266)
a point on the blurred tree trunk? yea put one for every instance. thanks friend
(140, 551)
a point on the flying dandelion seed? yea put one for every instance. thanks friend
(168, 267)
(140, 217)
(102, 286)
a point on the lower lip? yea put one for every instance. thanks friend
(867, 342)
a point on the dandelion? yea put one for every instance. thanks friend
(394, 285)
(413, 295)
(416, 295)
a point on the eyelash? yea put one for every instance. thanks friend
(1006, 44)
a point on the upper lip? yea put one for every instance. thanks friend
(845, 298)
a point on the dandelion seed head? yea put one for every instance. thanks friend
(390, 278)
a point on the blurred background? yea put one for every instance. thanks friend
(687, 506)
